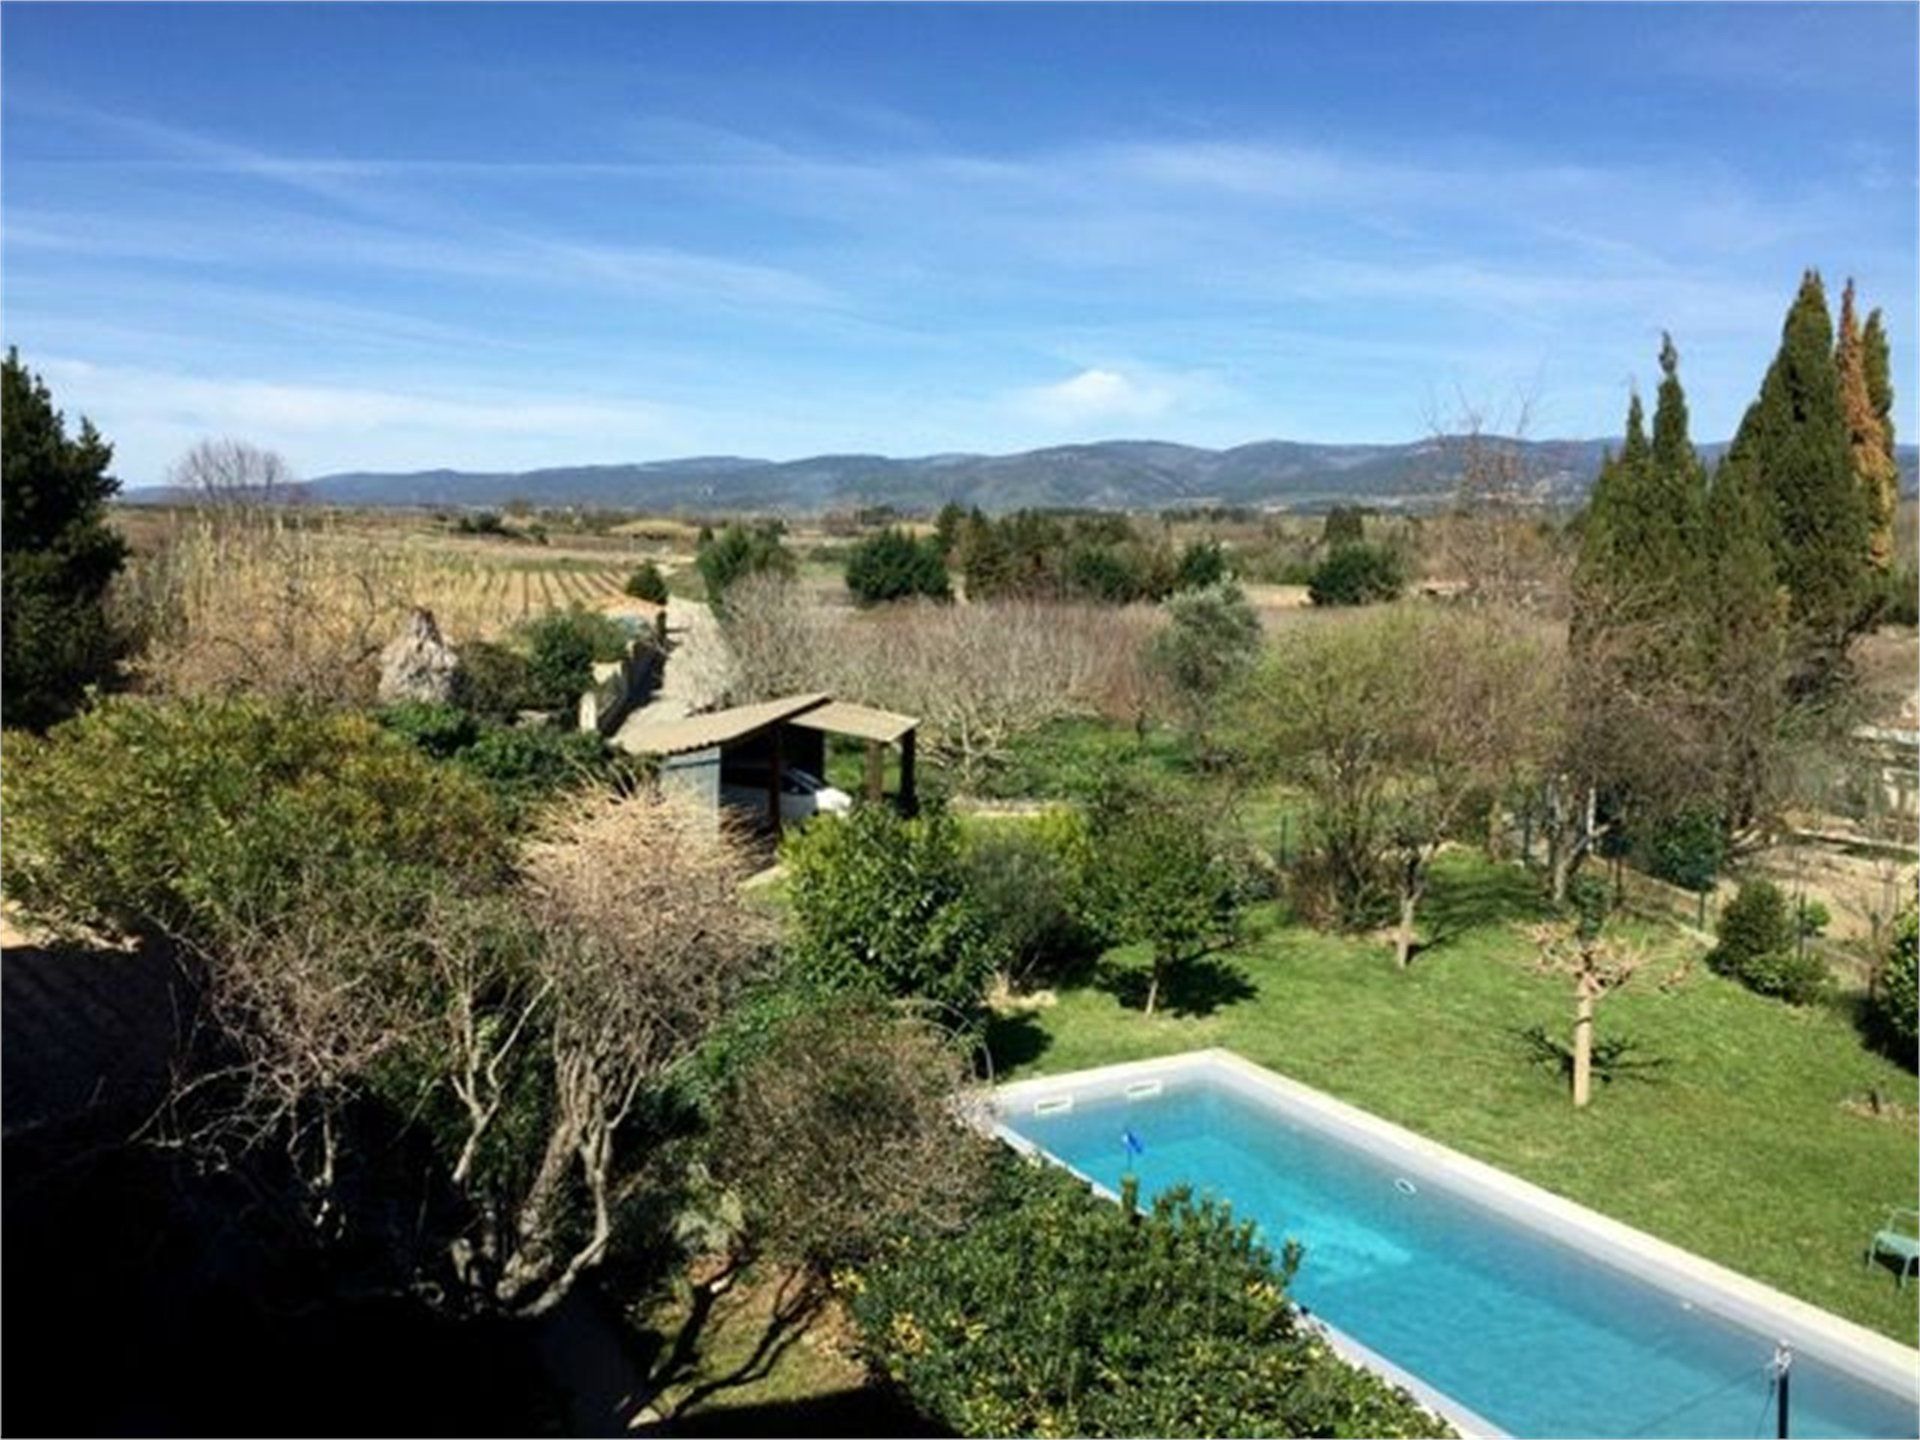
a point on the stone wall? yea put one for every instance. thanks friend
(619, 686)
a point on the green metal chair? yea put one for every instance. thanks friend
(1900, 1239)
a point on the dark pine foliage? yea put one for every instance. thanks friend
(60, 555)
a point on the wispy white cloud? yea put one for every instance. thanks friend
(330, 427)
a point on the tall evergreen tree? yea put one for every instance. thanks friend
(1873, 463)
(1879, 367)
(59, 554)
(1745, 640)
(1792, 447)
(1679, 480)
(1640, 540)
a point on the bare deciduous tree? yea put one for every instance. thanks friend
(1494, 538)
(230, 475)
(491, 1053)
(977, 674)
(778, 640)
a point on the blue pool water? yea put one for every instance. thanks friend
(1539, 1337)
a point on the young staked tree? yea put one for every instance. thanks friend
(1869, 439)
(1792, 446)
(60, 555)
(1598, 966)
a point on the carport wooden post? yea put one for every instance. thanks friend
(876, 771)
(773, 782)
(909, 803)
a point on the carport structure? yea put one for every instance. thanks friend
(756, 744)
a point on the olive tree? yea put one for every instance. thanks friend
(1210, 641)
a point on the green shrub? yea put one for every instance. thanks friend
(1896, 991)
(892, 565)
(484, 522)
(495, 680)
(1202, 563)
(647, 583)
(1759, 946)
(1030, 882)
(1797, 977)
(1344, 525)
(524, 764)
(520, 764)
(441, 731)
(1757, 920)
(839, 1132)
(1686, 849)
(1358, 574)
(200, 818)
(562, 647)
(1058, 1313)
(880, 903)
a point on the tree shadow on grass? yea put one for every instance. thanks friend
(1198, 987)
(868, 1411)
(1477, 898)
(1615, 1057)
(1015, 1040)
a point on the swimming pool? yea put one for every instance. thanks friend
(1508, 1308)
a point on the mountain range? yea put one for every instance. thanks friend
(1112, 474)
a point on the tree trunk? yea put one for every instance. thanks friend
(1411, 885)
(1153, 985)
(1582, 1043)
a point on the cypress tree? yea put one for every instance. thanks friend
(1679, 480)
(1745, 638)
(1879, 367)
(1792, 447)
(1873, 464)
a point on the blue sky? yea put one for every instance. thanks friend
(507, 236)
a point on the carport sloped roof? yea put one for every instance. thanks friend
(843, 717)
(718, 727)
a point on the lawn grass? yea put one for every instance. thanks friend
(1736, 1147)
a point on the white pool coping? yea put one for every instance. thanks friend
(1878, 1360)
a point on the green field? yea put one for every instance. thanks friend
(1739, 1144)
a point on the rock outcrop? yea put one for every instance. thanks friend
(419, 664)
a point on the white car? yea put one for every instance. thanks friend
(802, 794)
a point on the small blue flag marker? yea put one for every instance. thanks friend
(1134, 1145)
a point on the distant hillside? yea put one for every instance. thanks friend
(1112, 474)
